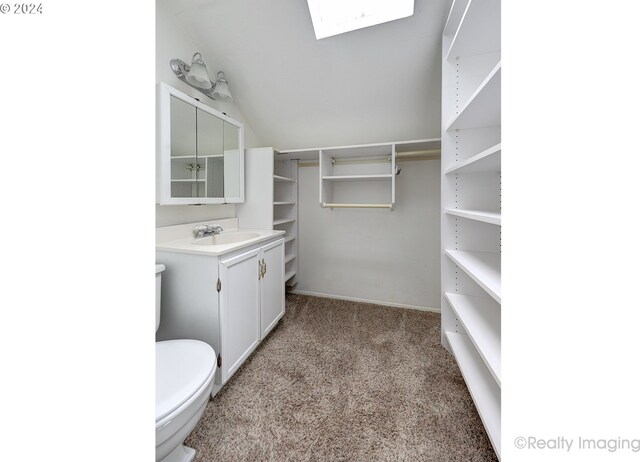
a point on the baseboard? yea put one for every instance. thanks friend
(364, 300)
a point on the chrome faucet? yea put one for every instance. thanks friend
(206, 230)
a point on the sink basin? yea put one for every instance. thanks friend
(225, 238)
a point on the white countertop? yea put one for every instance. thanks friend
(167, 239)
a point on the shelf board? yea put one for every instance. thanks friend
(489, 160)
(455, 14)
(183, 157)
(282, 221)
(485, 216)
(199, 157)
(284, 203)
(483, 388)
(288, 258)
(482, 267)
(479, 30)
(482, 109)
(282, 178)
(386, 176)
(188, 181)
(289, 239)
(289, 275)
(360, 150)
(480, 317)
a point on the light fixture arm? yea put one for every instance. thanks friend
(181, 69)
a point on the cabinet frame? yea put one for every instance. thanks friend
(163, 149)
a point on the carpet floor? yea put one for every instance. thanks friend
(345, 381)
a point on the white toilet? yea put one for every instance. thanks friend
(184, 378)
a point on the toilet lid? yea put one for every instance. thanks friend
(182, 367)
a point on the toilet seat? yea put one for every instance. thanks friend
(183, 367)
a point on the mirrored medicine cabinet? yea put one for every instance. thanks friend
(200, 152)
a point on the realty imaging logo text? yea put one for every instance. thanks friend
(561, 443)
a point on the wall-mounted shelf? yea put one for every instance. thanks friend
(283, 178)
(430, 146)
(483, 388)
(485, 216)
(282, 221)
(478, 31)
(368, 170)
(482, 267)
(480, 317)
(369, 185)
(489, 160)
(482, 109)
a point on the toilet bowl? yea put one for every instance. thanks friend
(184, 377)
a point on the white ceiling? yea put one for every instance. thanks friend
(376, 84)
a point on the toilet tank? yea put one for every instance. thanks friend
(159, 269)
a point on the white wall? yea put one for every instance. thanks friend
(172, 42)
(384, 256)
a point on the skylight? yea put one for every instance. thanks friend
(333, 17)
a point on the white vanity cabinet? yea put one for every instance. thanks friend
(231, 301)
(251, 301)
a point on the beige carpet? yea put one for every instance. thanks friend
(345, 381)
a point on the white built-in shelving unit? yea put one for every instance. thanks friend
(361, 176)
(272, 201)
(285, 213)
(471, 210)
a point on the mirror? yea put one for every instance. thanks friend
(185, 174)
(210, 152)
(201, 152)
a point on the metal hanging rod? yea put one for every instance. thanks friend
(425, 153)
(361, 160)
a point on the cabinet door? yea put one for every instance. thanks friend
(272, 290)
(210, 138)
(187, 178)
(239, 310)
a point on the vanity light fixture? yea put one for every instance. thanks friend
(196, 76)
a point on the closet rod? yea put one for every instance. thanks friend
(422, 153)
(429, 154)
(357, 206)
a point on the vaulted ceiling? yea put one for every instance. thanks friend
(376, 84)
